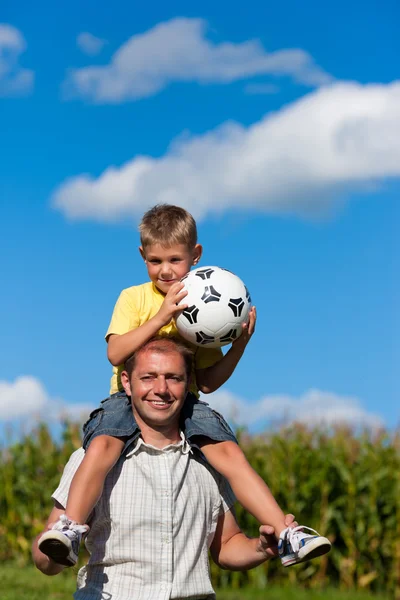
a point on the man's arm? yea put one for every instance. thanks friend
(212, 378)
(232, 549)
(43, 562)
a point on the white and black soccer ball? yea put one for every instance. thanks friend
(218, 304)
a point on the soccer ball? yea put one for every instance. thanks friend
(218, 304)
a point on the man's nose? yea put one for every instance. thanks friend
(160, 385)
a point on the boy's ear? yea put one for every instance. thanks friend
(142, 254)
(197, 252)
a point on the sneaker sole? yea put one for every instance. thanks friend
(55, 546)
(314, 549)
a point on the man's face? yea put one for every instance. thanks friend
(166, 266)
(158, 387)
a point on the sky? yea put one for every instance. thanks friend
(277, 126)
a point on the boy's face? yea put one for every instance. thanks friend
(166, 266)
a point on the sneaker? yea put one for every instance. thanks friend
(295, 546)
(61, 543)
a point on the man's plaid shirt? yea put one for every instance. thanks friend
(152, 527)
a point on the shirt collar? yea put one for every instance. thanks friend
(157, 291)
(183, 445)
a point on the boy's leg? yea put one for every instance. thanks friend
(295, 545)
(107, 431)
(87, 484)
(249, 488)
(62, 542)
(209, 430)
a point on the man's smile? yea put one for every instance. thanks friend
(160, 403)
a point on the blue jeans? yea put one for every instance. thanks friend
(115, 418)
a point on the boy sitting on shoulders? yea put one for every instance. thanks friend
(169, 249)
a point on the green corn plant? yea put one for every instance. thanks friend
(345, 485)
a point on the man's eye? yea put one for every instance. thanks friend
(146, 378)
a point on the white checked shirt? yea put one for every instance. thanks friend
(152, 526)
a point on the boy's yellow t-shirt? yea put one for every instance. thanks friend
(135, 306)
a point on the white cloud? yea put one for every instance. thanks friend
(89, 43)
(303, 159)
(261, 88)
(24, 396)
(27, 397)
(177, 50)
(313, 408)
(14, 80)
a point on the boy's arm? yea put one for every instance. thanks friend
(42, 561)
(121, 347)
(210, 379)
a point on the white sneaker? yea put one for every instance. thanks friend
(295, 546)
(62, 542)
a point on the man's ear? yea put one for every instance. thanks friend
(197, 252)
(142, 254)
(126, 383)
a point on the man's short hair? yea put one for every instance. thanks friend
(168, 225)
(163, 344)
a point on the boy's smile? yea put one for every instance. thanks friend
(166, 266)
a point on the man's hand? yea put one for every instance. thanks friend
(268, 545)
(42, 561)
(169, 308)
(248, 329)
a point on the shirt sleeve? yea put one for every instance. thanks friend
(125, 316)
(207, 357)
(228, 498)
(61, 493)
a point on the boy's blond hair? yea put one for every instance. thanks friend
(168, 225)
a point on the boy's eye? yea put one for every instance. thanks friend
(175, 260)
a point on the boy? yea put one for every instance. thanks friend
(169, 249)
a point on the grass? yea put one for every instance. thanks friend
(20, 583)
(294, 593)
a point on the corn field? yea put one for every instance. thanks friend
(346, 486)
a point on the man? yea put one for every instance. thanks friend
(162, 505)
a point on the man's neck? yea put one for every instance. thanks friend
(159, 438)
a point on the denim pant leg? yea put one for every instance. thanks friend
(114, 418)
(198, 418)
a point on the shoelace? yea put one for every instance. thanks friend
(71, 525)
(293, 538)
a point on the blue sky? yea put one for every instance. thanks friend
(277, 126)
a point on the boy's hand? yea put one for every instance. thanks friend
(169, 308)
(248, 329)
